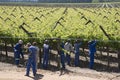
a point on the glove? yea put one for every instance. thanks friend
(22, 57)
(15, 50)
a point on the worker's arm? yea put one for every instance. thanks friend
(94, 43)
(30, 53)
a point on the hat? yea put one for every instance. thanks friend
(68, 40)
(20, 41)
(46, 41)
(28, 44)
(34, 43)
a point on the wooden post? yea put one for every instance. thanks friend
(6, 49)
(101, 48)
(0, 49)
(12, 45)
(58, 61)
(119, 59)
(84, 54)
(108, 64)
(101, 54)
(58, 54)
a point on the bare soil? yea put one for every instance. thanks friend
(11, 72)
(8, 70)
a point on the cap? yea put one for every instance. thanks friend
(20, 41)
(46, 41)
(28, 44)
(34, 43)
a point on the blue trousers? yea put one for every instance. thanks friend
(17, 57)
(31, 63)
(91, 64)
(45, 61)
(62, 58)
(76, 59)
(68, 59)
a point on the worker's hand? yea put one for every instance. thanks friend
(15, 50)
(22, 57)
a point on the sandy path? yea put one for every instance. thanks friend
(12, 75)
(11, 72)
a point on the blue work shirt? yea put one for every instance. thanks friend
(18, 50)
(77, 46)
(33, 52)
(18, 47)
(46, 48)
(92, 46)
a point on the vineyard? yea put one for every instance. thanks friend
(59, 21)
(63, 22)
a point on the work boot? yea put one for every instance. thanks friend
(26, 75)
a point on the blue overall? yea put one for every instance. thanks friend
(46, 49)
(77, 53)
(17, 52)
(92, 50)
(68, 59)
(32, 60)
(62, 56)
(69, 48)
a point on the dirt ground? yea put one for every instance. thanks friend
(11, 72)
(8, 71)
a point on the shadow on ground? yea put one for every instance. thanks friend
(37, 77)
(83, 64)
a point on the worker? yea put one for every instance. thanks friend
(37, 56)
(27, 47)
(46, 49)
(18, 52)
(92, 50)
(27, 50)
(62, 56)
(68, 47)
(32, 59)
(77, 52)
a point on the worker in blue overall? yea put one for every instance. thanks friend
(46, 49)
(77, 52)
(61, 51)
(18, 52)
(62, 56)
(32, 59)
(92, 50)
